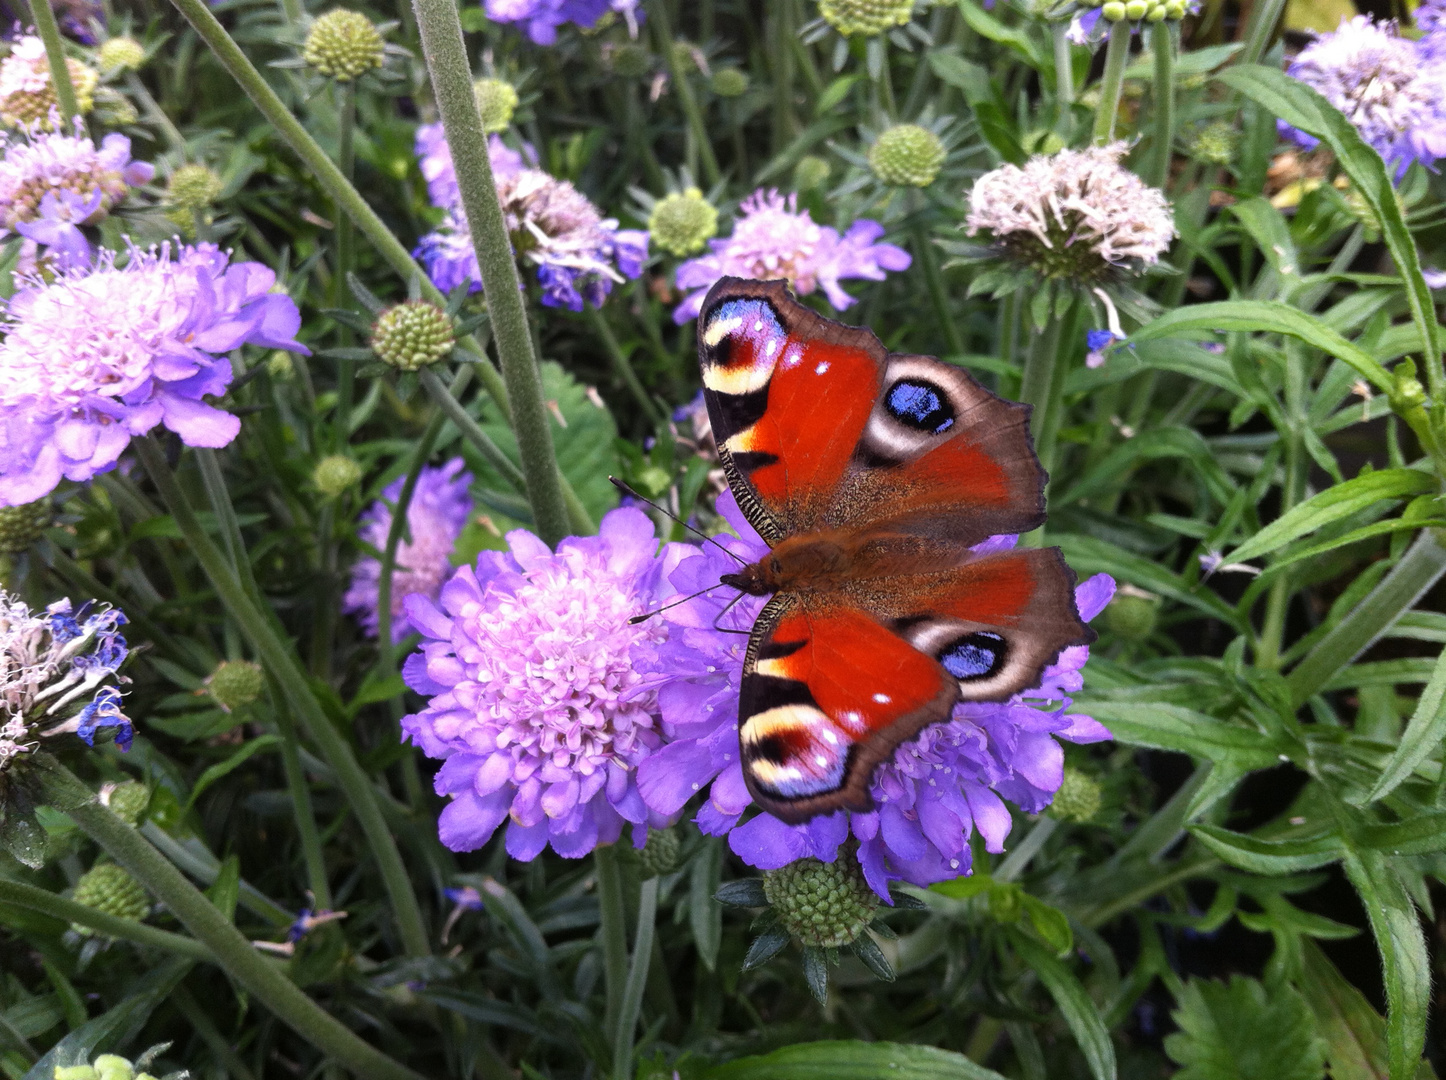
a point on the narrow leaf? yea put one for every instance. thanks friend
(1074, 1004)
(231, 764)
(852, 1060)
(1423, 734)
(1270, 856)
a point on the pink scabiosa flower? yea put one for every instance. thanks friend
(436, 516)
(51, 184)
(773, 239)
(103, 353)
(27, 96)
(940, 786)
(538, 704)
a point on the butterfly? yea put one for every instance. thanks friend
(871, 475)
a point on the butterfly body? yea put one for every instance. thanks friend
(873, 477)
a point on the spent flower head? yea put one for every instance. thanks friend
(104, 353)
(344, 45)
(436, 516)
(773, 239)
(27, 96)
(538, 703)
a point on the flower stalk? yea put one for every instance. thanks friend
(49, 32)
(632, 999)
(1042, 385)
(687, 100)
(441, 31)
(614, 932)
(1112, 83)
(1162, 43)
(58, 907)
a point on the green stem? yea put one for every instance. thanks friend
(1264, 18)
(311, 848)
(637, 980)
(154, 113)
(58, 907)
(687, 100)
(1112, 83)
(1017, 860)
(441, 31)
(624, 367)
(781, 57)
(212, 929)
(614, 932)
(394, 539)
(1043, 385)
(1419, 569)
(938, 294)
(219, 496)
(1063, 79)
(280, 660)
(45, 26)
(1162, 43)
(345, 252)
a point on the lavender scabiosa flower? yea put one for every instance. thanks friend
(1393, 91)
(538, 706)
(436, 516)
(27, 97)
(51, 184)
(49, 662)
(939, 787)
(542, 18)
(434, 157)
(578, 254)
(773, 239)
(104, 353)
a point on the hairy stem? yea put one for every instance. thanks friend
(58, 907)
(1112, 83)
(49, 32)
(1162, 43)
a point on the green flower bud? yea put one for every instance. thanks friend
(194, 187)
(682, 224)
(496, 101)
(811, 172)
(1132, 613)
(235, 683)
(730, 82)
(822, 904)
(128, 800)
(21, 526)
(631, 61)
(412, 335)
(865, 17)
(344, 45)
(114, 1067)
(1215, 143)
(1155, 14)
(111, 889)
(1136, 9)
(659, 855)
(1078, 797)
(121, 54)
(335, 474)
(280, 366)
(1113, 10)
(907, 155)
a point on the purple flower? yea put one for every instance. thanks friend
(101, 354)
(940, 786)
(538, 702)
(436, 516)
(434, 157)
(773, 239)
(541, 18)
(1391, 90)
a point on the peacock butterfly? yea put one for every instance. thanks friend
(871, 475)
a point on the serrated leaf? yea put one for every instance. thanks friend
(1240, 1031)
(1076, 1006)
(853, 1060)
(765, 947)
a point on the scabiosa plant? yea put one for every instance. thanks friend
(543, 18)
(938, 789)
(1391, 90)
(104, 353)
(51, 184)
(538, 702)
(27, 97)
(344, 45)
(773, 239)
(435, 518)
(865, 17)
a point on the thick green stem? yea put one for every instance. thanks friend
(45, 26)
(687, 100)
(441, 31)
(212, 929)
(1162, 42)
(1043, 386)
(938, 294)
(637, 980)
(1063, 79)
(280, 660)
(624, 367)
(1112, 83)
(614, 932)
(58, 907)
(1419, 569)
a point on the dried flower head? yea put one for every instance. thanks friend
(103, 353)
(27, 96)
(344, 45)
(773, 239)
(1075, 215)
(866, 18)
(682, 222)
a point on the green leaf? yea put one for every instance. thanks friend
(1407, 964)
(226, 889)
(1153, 445)
(1423, 734)
(1333, 504)
(705, 915)
(1174, 727)
(1423, 834)
(1301, 107)
(965, 75)
(1267, 227)
(1089, 555)
(1270, 856)
(815, 973)
(834, 93)
(853, 1060)
(1267, 316)
(1049, 923)
(1241, 1031)
(1074, 1004)
(765, 947)
(231, 764)
(987, 26)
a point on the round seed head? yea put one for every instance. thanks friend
(496, 101)
(730, 82)
(412, 335)
(111, 889)
(1078, 797)
(21, 526)
(121, 54)
(811, 172)
(335, 474)
(865, 17)
(1215, 143)
(194, 187)
(682, 223)
(344, 45)
(235, 683)
(128, 800)
(907, 155)
(659, 855)
(822, 904)
(1132, 614)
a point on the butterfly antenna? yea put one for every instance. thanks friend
(672, 604)
(664, 510)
